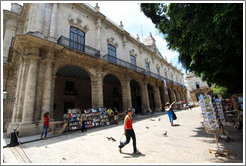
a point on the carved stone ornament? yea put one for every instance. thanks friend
(78, 23)
(158, 66)
(124, 41)
(98, 23)
(132, 52)
(112, 42)
(138, 38)
(147, 60)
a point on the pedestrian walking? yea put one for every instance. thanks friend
(45, 125)
(129, 132)
(169, 110)
(83, 123)
(116, 115)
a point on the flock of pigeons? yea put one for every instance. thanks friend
(165, 134)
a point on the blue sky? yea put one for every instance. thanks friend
(134, 21)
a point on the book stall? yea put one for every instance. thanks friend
(213, 120)
(94, 118)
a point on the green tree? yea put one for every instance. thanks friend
(218, 90)
(208, 37)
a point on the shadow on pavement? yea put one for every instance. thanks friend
(175, 125)
(235, 146)
(131, 155)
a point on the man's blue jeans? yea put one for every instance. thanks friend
(45, 130)
(170, 115)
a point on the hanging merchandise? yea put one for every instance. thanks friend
(74, 119)
(211, 120)
(209, 115)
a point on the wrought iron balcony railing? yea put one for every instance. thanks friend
(78, 46)
(128, 65)
(123, 63)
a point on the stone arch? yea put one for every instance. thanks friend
(136, 95)
(57, 67)
(151, 94)
(112, 92)
(68, 91)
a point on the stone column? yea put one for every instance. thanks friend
(53, 23)
(40, 17)
(10, 28)
(98, 34)
(46, 101)
(126, 94)
(28, 108)
(18, 90)
(144, 95)
(97, 91)
(52, 97)
(157, 98)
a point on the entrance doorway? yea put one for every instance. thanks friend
(72, 90)
(136, 96)
(151, 97)
(112, 95)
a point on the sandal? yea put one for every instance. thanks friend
(137, 152)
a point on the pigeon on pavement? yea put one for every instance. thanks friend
(165, 134)
(147, 127)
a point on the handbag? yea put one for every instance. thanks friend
(122, 139)
(174, 115)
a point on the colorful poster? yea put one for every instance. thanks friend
(209, 115)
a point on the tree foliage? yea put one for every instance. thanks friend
(223, 91)
(208, 37)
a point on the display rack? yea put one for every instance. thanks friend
(74, 122)
(96, 117)
(238, 106)
(211, 120)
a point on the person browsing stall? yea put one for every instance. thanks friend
(110, 114)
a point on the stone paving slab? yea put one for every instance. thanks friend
(185, 143)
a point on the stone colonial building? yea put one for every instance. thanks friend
(196, 87)
(58, 56)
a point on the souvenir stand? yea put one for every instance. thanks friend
(96, 117)
(212, 121)
(74, 122)
(237, 101)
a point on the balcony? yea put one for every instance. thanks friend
(123, 63)
(128, 65)
(78, 46)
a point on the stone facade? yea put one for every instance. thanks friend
(196, 87)
(45, 69)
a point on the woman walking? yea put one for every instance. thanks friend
(169, 110)
(129, 132)
(45, 125)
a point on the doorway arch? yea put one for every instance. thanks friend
(136, 96)
(151, 97)
(72, 90)
(112, 94)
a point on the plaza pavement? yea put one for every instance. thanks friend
(187, 142)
